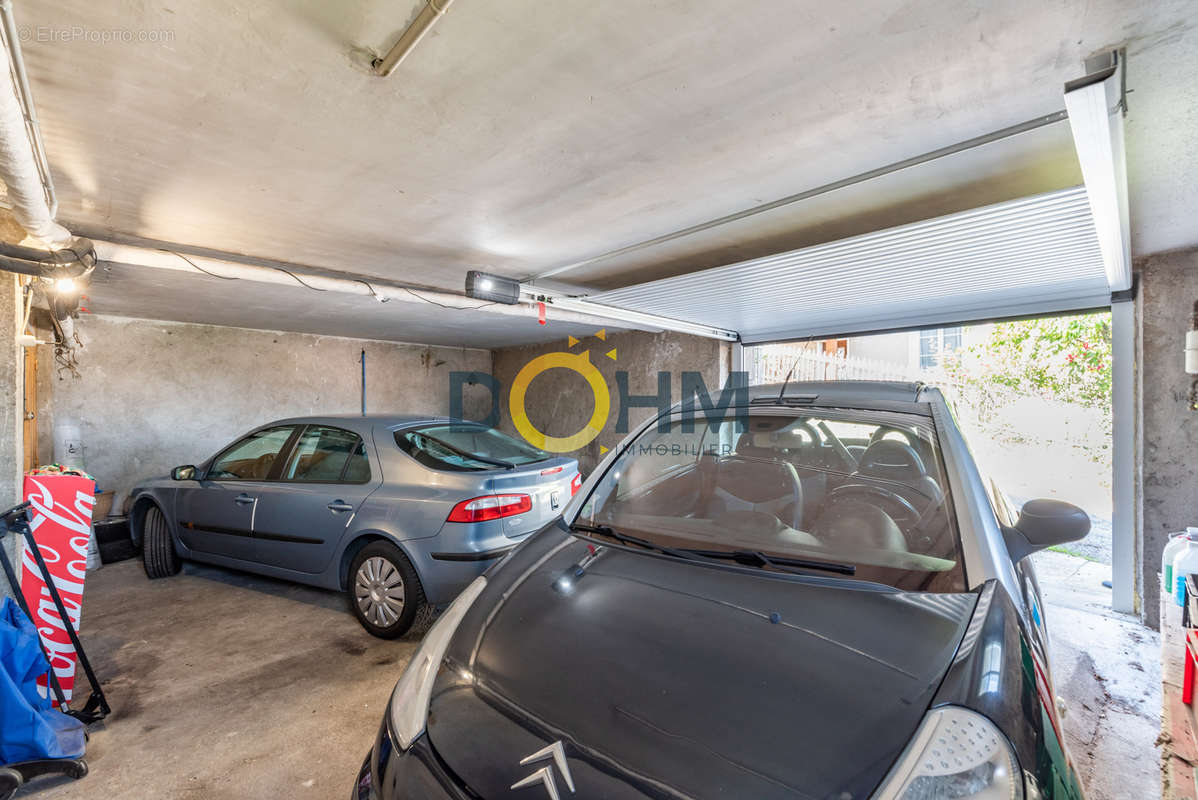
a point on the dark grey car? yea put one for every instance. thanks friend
(827, 603)
(401, 512)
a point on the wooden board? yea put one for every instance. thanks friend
(30, 411)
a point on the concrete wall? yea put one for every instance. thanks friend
(559, 402)
(1169, 428)
(153, 395)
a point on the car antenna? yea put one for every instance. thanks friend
(786, 380)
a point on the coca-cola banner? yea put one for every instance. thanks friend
(60, 515)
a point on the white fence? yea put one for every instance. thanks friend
(772, 364)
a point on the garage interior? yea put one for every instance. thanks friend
(283, 230)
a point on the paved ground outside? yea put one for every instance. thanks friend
(1107, 670)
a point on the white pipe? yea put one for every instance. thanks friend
(154, 258)
(428, 16)
(28, 193)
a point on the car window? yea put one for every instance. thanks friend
(323, 454)
(464, 448)
(789, 485)
(252, 457)
(1004, 509)
(358, 468)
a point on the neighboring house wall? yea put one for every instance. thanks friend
(894, 348)
(904, 348)
(153, 395)
(559, 402)
(1168, 442)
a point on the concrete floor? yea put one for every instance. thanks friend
(226, 685)
(1107, 669)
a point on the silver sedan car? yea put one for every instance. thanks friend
(399, 512)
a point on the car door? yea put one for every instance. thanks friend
(303, 515)
(215, 514)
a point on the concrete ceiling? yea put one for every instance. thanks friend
(129, 291)
(520, 136)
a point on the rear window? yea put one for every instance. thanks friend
(465, 448)
(328, 455)
(844, 487)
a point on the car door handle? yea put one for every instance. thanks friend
(339, 505)
(243, 499)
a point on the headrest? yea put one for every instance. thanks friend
(763, 440)
(892, 459)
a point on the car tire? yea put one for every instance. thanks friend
(158, 554)
(384, 591)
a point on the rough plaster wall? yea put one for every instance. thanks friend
(559, 402)
(11, 388)
(1169, 445)
(153, 395)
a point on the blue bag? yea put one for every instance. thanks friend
(30, 727)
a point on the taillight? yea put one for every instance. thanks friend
(492, 506)
(575, 483)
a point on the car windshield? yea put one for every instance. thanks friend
(861, 492)
(459, 447)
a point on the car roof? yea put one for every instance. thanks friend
(911, 396)
(844, 391)
(360, 420)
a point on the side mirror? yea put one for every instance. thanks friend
(186, 473)
(1045, 523)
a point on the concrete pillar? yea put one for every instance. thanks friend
(12, 392)
(1168, 446)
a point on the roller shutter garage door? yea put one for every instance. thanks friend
(1034, 255)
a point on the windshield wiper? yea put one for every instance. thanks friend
(780, 563)
(751, 557)
(624, 538)
(467, 454)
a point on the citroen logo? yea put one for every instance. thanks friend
(544, 775)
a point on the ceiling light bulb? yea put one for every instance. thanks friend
(64, 285)
(486, 284)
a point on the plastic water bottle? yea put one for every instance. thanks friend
(1185, 563)
(1176, 542)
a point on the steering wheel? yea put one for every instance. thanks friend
(898, 507)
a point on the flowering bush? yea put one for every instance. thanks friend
(1063, 360)
(1067, 359)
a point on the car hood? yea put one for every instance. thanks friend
(670, 678)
